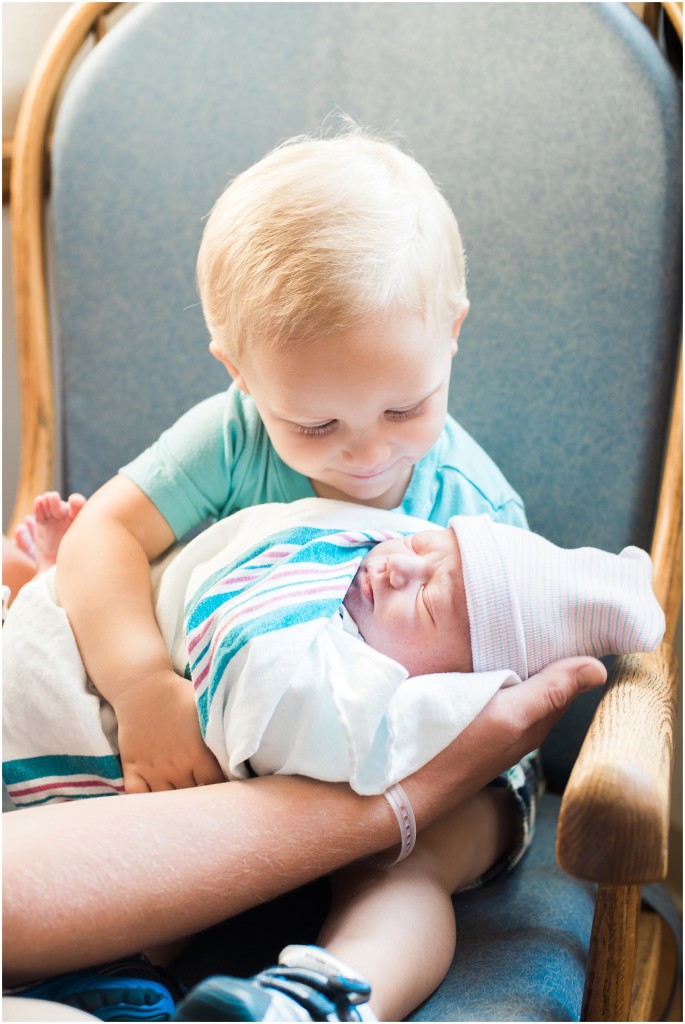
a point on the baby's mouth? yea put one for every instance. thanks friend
(366, 587)
(360, 593)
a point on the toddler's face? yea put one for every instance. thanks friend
(408, 601)
(355, 411)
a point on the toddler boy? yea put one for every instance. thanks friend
(332, 280)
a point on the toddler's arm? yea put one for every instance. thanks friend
(103, 583)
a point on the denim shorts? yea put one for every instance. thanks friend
(526, 784)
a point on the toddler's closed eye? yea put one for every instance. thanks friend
(320, 430)
(406, 414)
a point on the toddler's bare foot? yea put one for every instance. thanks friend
(17, 567)
(52, 517)
(24, 539)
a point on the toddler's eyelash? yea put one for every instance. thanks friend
(406, 414)
(328, 428)
(320, 431)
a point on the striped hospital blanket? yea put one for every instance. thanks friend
(249, 611)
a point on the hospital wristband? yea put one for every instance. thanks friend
(399, 802)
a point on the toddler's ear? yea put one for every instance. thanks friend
(235, 373)
(456, 327)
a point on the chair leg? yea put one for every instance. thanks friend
(647, 963)
(611, 963)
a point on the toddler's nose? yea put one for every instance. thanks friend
(368, 452)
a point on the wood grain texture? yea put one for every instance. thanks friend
(609, 978)
(647, 959)
(29, 156)
(613, 825)
(7, 152)
(7, 146)
(667, 543)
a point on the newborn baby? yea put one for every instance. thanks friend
(283, 684)
(264, 610)
(408, 601)
(481, 596)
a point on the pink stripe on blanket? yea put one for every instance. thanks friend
(199, 679)
(366, 539)
(277, 576)
(249, 611)
(14, 791)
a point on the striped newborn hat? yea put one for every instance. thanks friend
(531, 603)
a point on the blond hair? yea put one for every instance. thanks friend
(322, 234)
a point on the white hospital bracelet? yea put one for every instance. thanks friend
(399, 802)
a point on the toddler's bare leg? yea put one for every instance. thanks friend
(397, 927)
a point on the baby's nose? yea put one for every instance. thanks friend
(404, 568)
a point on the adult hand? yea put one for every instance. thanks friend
(160, 741)
(514, 722)
(524, 714)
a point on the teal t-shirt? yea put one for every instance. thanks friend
(217, 459)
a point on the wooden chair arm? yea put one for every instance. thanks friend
(613, 826)
(27, 187)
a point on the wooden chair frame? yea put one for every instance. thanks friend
(629, 746)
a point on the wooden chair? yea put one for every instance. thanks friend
(555, 132)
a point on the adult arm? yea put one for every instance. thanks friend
(92, 880)
(104, 585)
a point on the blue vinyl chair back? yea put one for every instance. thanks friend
(554, 131)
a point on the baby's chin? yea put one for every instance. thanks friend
(352, 603)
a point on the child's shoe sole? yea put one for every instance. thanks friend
(121, 999)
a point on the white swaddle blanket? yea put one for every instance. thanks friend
(281, 686)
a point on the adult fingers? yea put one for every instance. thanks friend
(515, 721)
(560, 683)
(531, 708)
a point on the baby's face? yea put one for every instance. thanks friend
(408, 601)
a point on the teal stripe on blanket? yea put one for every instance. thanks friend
(295, 576)
(238, 636)
(29, 769)
(258, 625)
(306, 544)
(300, 535)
